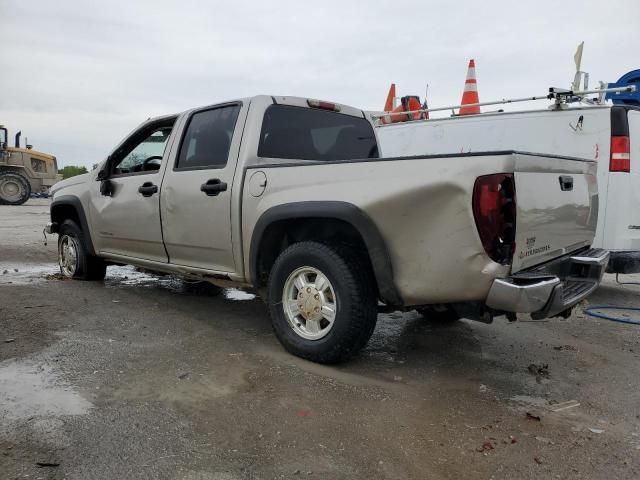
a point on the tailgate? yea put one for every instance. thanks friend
(557, 207)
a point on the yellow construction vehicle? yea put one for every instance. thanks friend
(23, 171)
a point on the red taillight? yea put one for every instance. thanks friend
(620, 157)
(323, 105)
(494, 209)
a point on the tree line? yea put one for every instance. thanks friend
(71, 171)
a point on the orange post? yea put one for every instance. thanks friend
(388, 105)
(470, 94)
(407, 104)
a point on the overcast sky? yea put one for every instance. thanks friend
(78, 75)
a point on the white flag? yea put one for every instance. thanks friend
(578, 56)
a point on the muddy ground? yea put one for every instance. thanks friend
(145, 377)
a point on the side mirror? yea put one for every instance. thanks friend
(104, 171)
(106, 188)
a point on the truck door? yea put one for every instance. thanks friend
(195, 203)
(124, 206)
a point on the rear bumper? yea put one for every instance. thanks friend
(624, 262)
(552, 288)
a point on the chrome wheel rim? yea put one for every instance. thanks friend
(10, 190)
(68, 256)
(309, 303)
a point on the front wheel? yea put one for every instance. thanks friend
(73, 258)
(323, 302)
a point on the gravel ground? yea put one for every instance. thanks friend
(144, 377)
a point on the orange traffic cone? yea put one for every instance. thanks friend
(470, 94)
(407, 104)
(388, 105)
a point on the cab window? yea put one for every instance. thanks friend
(313, 134)
(145, 155)
(207, 140)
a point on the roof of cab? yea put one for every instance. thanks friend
(304, 102)
(280, 100)
(285, 100)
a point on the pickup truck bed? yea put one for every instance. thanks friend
(606, 134)
(288, 196)
(421, 207)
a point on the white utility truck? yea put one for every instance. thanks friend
(605, 133)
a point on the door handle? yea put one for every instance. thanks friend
(213, 187)
(147, 189)
(566, 183)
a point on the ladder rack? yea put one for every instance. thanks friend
(561, 97)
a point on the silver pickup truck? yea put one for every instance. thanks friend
(288, 196)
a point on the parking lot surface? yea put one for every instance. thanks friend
(150, 377)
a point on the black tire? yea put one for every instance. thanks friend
(15, 189)
(441, 314)
(355, 301)
(88, 267)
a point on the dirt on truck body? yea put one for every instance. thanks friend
(23, 171)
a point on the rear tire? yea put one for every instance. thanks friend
(74, 259)
(323, 301)
(15, 189)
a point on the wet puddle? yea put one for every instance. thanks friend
(26, 273)
(237, 295)
(30, 389)
(117, 277)
(128, 276)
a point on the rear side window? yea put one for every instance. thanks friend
(313, 134)
(207, 140)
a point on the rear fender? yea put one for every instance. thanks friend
(346, 212)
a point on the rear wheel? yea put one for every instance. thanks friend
(14, 188)
(323, 301)
(73, 258)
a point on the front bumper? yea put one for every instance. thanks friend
(51, 228)
(551, 288)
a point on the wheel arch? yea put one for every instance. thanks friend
(285, 224)
(69, 207)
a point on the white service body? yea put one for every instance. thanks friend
(553, 132)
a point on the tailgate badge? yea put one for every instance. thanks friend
(531, 241)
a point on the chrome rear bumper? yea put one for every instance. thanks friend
(552, 288)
